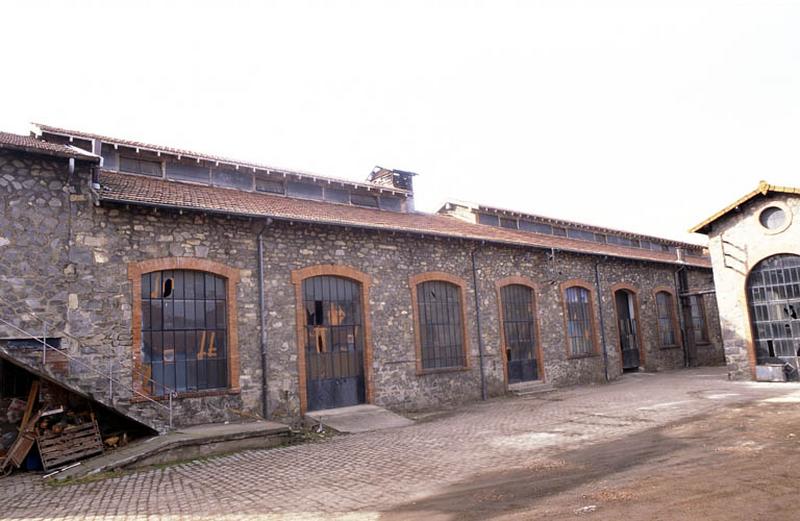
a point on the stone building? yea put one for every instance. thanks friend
(163, 276)
(755, 251)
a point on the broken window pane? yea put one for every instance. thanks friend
(184, 331)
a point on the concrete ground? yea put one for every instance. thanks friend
(183, 444)
(358, 418)
(679, 445)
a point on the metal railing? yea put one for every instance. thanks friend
(171, 393)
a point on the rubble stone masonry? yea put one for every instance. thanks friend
(66, 259)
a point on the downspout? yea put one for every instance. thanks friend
(484, 394)
(600, 309)
(262, 312)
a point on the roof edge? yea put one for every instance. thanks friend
(763, 188)
(367, 226)
(563, 222)
(39, 128)
(67, 152)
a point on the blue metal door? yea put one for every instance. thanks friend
(334, 342)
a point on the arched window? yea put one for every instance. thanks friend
(579, 317)
(773, 295)
(667, 319)
(699, 323)
(439, 314)
(184, 328)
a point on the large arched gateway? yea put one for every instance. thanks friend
(773, 294)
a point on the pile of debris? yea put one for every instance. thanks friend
(63, 429)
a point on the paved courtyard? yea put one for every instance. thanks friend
(384, 474)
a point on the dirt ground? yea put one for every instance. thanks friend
(742, 462)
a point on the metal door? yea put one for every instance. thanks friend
(519, 329)
(773, 290)
(626, 320)
(334, 342)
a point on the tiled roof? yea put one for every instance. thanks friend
(10, 141)
(133, 189)
(208, 157)
(763, 189)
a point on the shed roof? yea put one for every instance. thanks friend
(475, 207)
(189, 154)
(762, 190)
(9, 141)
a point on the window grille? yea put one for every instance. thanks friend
(579, 320)
(666, 319)
(441, 330)
(519, 331)
(698, 319)
(184, 330)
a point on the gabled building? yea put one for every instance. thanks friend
(755, 250)
(219, 286)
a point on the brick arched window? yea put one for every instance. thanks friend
(579, 322)
(668, 329)
(699, 322)
(184, 326)
(439, 322)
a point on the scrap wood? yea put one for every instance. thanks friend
(33, 397)
(118, 439)
(73, 443)
(22, 445)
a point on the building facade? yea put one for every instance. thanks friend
(755, 250)
(162, 276)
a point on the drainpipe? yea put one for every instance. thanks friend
(262, 312)
(484, 394)
(679, 291)
(600, 308)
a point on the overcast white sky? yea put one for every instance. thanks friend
(640, 115)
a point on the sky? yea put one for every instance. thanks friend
(643, 116)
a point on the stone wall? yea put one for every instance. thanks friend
(66, 258)
(737, 244)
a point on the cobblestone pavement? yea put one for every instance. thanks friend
(358, 476)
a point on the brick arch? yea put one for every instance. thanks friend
(563, 287)
(634, 291)
(336, 270)
(416, 280)
(775, 251)
(534, 287)
(135, 272)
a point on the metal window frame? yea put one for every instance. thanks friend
(595, 342)
(414, 282)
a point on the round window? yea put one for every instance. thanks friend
(772, 218)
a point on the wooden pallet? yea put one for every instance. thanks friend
(74, 443)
